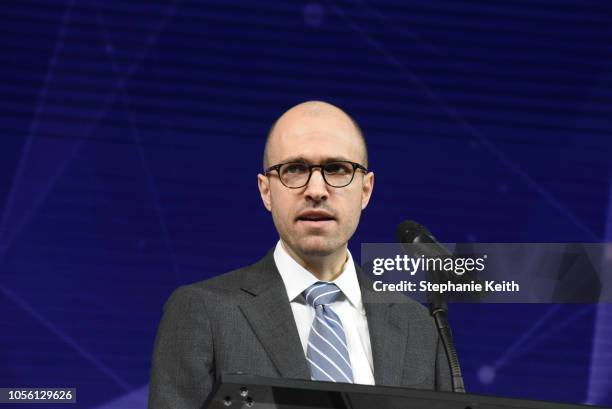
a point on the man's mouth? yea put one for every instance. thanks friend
(315, 217)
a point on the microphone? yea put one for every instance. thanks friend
(417, 239)
(420, 239)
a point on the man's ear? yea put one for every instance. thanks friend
(366, 191)
(263, 183)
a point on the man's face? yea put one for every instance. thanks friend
(317, 219)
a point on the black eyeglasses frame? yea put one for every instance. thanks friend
(277, 167)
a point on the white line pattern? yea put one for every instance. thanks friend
(331, 345)
(335, 365)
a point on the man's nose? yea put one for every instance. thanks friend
(316, 188)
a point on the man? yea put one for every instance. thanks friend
(305, 310)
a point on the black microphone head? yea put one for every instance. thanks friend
(408, 230)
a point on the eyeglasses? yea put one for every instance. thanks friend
(295, 175)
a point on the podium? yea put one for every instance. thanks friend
(239, 391)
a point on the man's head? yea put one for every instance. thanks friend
(317, 219)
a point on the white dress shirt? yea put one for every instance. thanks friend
(349, 308)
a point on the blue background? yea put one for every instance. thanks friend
(132, 133)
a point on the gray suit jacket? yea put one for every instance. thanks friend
(242, 322)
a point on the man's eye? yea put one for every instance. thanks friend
(337, 168)
(295, 168)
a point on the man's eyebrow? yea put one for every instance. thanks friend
(302, 159)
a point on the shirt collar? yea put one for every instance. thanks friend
(297, 279)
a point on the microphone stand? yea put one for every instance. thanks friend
(438, 310)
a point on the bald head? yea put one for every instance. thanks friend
(313, 117)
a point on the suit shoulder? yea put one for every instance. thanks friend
(411, 307)
(198, 293)
(232, 279)
(229, 281)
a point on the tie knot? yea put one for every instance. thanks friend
(321, 293)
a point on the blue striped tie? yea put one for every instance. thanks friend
(327, 352)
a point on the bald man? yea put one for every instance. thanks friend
(305, 310)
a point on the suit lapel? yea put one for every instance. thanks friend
(396, 352)
(388, 335)
(269, 313)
